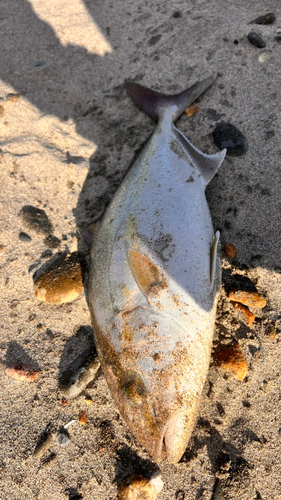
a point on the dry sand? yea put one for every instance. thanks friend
(66, 144)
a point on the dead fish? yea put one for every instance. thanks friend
(154, 277)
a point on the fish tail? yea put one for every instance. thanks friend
(155, 104)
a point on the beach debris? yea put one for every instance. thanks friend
(36, 219)
(12, 97)
(191, 110)
(24, 237)
(228, 136)
(23, 372)
(256, 39)
(79, 373)
(250, 299)
(230, 251)
(250, 317)
(264, 57)
(61, 282)
(44, 443)
(63, 436)
(266, 19)
(145, 293)
(137, 487)
(83, 417)
(231, 359)
(88, 401)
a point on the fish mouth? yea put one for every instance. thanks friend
(173, 441)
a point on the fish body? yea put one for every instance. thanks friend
(154, 278)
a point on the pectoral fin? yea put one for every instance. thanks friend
(214, 251)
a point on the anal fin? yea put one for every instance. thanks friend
(214, 251)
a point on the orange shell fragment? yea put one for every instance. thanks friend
(232, 359)
(191, 110)
(250, 299)
(249, 316)
(23, 372)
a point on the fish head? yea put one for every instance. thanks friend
(156, 379)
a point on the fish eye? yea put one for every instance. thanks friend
(134, 389)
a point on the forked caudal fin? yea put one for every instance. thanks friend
(155, 104)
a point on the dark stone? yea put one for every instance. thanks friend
(229, 137)
(63, 436)
(256, 40)
(52, 241)
(177, 14)
(266, 19)
(24, 237)
(36, 219)
(153, 40)
(235, 41)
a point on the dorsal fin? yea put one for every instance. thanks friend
(155, 104)
(207, 165)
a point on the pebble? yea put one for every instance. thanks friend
(137, 487)
(24, 237)
(231, 359)
(230, 251)
(83, 417)
(227, 136)
(63, 436)
(52, 241)
(64, 402)
(36, 219)
(191, 110)
(249, 315)
(266, 19)
(43, 444)
(23, 372)
(61, 282)
(79, 373)
(13, 97)
(250, 299)
(256, 39)
(89, 401)
(264, 57)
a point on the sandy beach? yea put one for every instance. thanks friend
(68, 134)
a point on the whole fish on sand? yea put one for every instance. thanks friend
(154, 278)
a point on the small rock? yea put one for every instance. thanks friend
(61, 282)
(229, 137)
(13, 97)
(264, 57)
(43, 444)
(36, 219)
(83, 417)
(191, 110)
(249, 316)
(231, 359)
(136, 487)
(89, 401)
(1, 110)
(256, 40)
(230, 251)
(52, 241)
(266, 19)
(63, 436)
(79, 373)
(271, 332)
(24, 237)
(64, 402)
(23, 372)
(250, 299)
